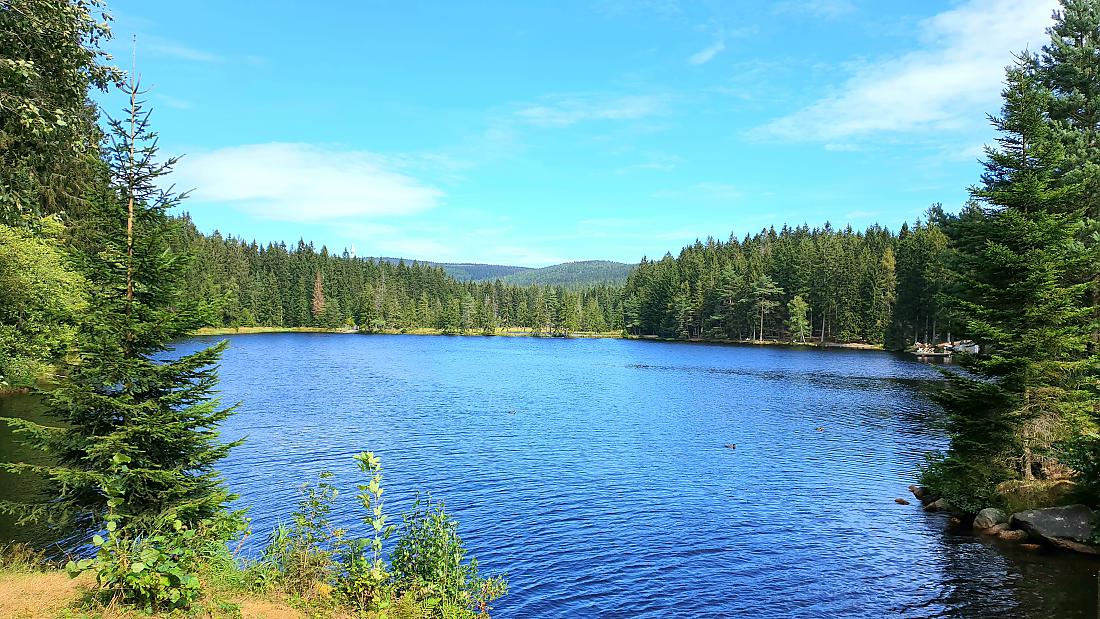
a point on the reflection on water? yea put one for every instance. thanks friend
(594, 472)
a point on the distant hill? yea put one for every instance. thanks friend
(584, 273)
(467, 271)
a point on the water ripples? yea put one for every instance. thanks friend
(595, 472)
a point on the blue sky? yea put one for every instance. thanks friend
(532, 133)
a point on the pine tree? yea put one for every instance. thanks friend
(123, 398)
(1022, 278)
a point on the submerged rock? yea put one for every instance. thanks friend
(1012, 535)
(1068, 528)
(995, 529)
(939, 505)
(901, 501)
(988, 518)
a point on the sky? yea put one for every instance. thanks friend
(532, 133)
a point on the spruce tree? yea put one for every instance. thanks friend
(128, 395)
(1022, 281)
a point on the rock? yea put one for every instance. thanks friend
(1030, 547)
(939, 505)
(918, 491)
(988, 518)
(995, 529)
(901, 501)
(1068, 528)
(1012, 535)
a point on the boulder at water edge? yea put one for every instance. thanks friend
(1069, 527)
(989, 518)
(939, 505)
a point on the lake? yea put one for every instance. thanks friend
(596, 473)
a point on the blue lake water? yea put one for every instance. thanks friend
(596, 473)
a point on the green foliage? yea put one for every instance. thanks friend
(302, 555)
(573, 274)
(798, 323)
(41, 296)
(428, 561)
(363, 576)
(154, 567)
(967, 486)
(743, 288)
(1021, 273)
(301, 286)
(1082, 454)
(311, 559)
(121, 397)
(49, 59)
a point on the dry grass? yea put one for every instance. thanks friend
(54, 595)
(43, 594)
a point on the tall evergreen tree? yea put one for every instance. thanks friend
(1022, 279)
(124, 397)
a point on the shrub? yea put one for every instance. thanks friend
(427, 561)
(968, 486)
(300, 556)
(1082, 454)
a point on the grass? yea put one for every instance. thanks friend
(509, 332)
(49, 593)
(244, 330)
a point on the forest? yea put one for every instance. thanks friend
(301, 286)
(800, 284)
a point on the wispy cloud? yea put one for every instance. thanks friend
(303, 182)
(706, 191)
(174, 102)
(564, 111)
(958, 69)
(173, 49)
(706, 55)
(824, 9)
(647, 166)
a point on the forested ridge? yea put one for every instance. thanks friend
(301, 286)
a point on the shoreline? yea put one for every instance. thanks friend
(526, 332)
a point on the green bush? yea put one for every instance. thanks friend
(427, 561)
(302, 555)
(1082, 454)
(968, 487)
(154, 566)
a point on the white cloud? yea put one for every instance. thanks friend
(948, 84)
(302, 182)
(706, 55)
(570, 110)
(825, 9)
